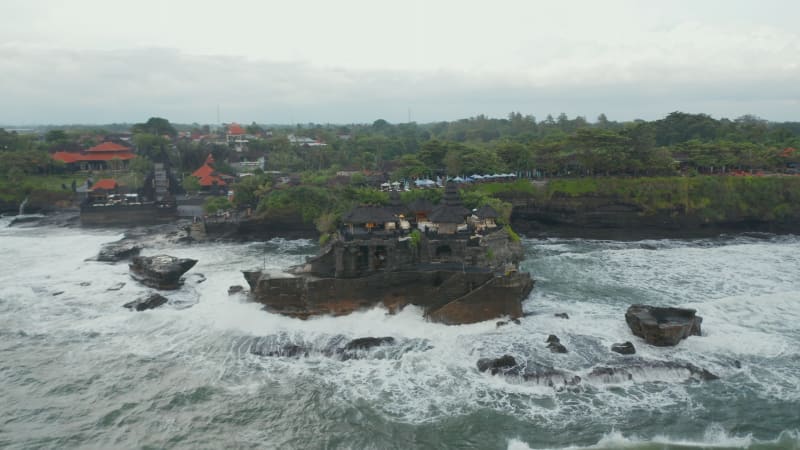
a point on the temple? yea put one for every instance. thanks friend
(456, 264)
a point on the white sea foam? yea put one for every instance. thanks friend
(715, 436)
(746, 291)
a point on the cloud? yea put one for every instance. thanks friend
(41, 85)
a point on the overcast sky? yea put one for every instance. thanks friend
(344, 61)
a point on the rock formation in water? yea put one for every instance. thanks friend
(153, 300)
(634, 371)
(662, 326)
(161, 271)
(624, 348)
(457, 266)
(118, 251)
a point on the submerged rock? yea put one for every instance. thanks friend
(562, 315)
(161, 271)
(649, 371)
(624, 348)
(118, 251)
(368, 342)
(153, 300)
(503, 323)
(235, 289)
(555, 345)
(495, 365)
(116, 286)
(662, 326)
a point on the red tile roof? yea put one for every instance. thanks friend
(68, 157)
(235, 130)
(109, 147)
(106, 184)
(212, 179)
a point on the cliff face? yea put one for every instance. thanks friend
(611, 217)
(446, 296)
(656, 206)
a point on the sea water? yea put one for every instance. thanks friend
(78, 370)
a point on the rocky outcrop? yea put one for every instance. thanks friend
(118, 251)
(635, 371)
(337, 347)
(235, 289)
(153, 300)
(447, 296)
(649, 371)
(161, 271)
(366, 343)
(662, 326)
(555, 345)
(496, 365)
(624, 348)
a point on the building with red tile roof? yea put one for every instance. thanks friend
(105, 184)
(208, 176)
(104, 156)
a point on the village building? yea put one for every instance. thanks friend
(236, 137)
(208, 177)
(486, 218)
(369, 219)
(105, 156)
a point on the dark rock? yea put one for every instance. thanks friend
(116, 286)
(161, 271)
(737, 364)
(118, 251)
(503, 323)
(625, 348)
(235, 289)
(648, 370)
(495, 365)
(199, 278)
(557, 347)
(57, 293)
(368, 342)
(553, 339)
(562, 315)
(288, 350)
(548, 376)
(153, 300)
(662, 326)
(85, 283)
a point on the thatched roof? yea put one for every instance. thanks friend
(396, 205)
(367, 214)
(486, 212)
(449, 214)
(421, 205)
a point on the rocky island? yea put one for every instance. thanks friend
(458, 265)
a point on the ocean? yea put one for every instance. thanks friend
(77, 370)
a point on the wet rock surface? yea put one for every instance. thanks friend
(118, 251)
(153, 300)
(336, 347)
(633, 371)
(661, 326)
(161, 271)
(496, 365)
(116, 286)
(555, 345)
(624, 348)
(368, 342)
(235, 289)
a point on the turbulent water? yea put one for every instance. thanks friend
(78, 370)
